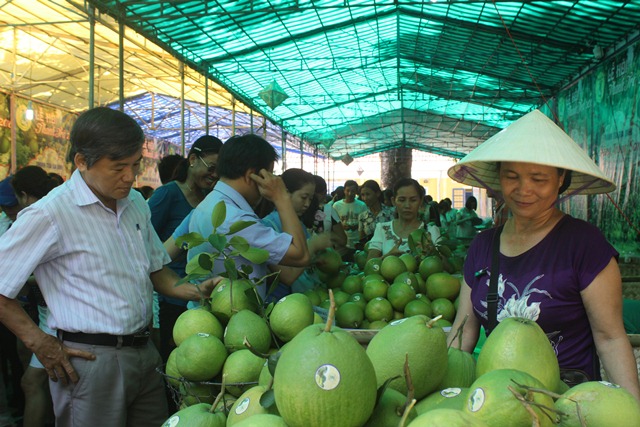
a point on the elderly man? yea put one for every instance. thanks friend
(97, 259)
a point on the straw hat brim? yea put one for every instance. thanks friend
(533, 138)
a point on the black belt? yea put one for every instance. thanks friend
(138, 339)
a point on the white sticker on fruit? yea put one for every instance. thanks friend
(608, 384)
(327, 377)
(172, 422)
(243, 406)
(397, 322)
(221, 288)
(476, 400)
(451, 392)
(202, 335)
(282, 299)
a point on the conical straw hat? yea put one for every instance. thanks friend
(533, 138)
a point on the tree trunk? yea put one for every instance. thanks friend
(395, 164)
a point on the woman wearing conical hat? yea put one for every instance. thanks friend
(551, 268)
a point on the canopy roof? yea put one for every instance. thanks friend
(361, 76)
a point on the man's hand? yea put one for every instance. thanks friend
(271, 187)
(54, 356)
(209, 285)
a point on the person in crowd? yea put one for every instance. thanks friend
(467, 219)
(447, 217)
(322, 217)
(169, 205)
(429, 210)
(551, 268)
(349, 210)
(93, 251)
(391, 238)
(301, 186)
(30, 184)
(8, 205)
(167, 167)
(9, 208)
(371, 195)
(145, 190)
(245, 167)
(337, 194)
(55, 176)
(387, 195)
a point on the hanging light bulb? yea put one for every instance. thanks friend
(29, 113)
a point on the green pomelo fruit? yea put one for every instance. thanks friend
(226, 403)
(249, 325)
(352, 284)
(317, 318)
(358, 298)
(450, 398)
(410, 262)
(389, 410)
(313, 296)
(328, 261)
(399, 294)
(461, 369)
(422, 284)
(290, 315)
(265, 375)
(243, 297)
(242, 371)
(372, 276)
(446, 418)
(200, 357)
(408, 278)
(443, 285)
(349, 315)
(416, 307)
(325, 304)
(425, 346)
(518, 343)
(430, 265)
(196, 416)
(322, 293)
(374, 289)
(262, 420)
(173, 375)
(378, 324)
(442, 323)
(492, 401)
(600, 403)
(391, 267)
(193, 393)
(194, 321)
(443, 307)
(340, 297)
(335, 280)
(379, 309)
(360, 259)
(324, 379)
(372, 266)
(248, 405)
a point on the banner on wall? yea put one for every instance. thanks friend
(601, 113)
(44, 142)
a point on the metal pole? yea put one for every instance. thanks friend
(206, 104)
(121, 64)
(182, 108)
(92, 34)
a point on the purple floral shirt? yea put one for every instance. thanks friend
(544, 284)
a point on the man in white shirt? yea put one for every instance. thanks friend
(349, 209)
(97, 259)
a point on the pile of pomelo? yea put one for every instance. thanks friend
(369, 294)
(240, 364)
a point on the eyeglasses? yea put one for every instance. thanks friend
(210, 168)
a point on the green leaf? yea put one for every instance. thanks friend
(256, 255)
(384, 386)
(246, 269)
(230, 267)
(272, 362)
(268, 399)
(240, 225)
(190, 240)
(239, 243)
(219, 214)
(205, 261)
(195, 268)
(218, 241)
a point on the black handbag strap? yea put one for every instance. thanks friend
(492, 295)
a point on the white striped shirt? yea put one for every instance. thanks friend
(91, 264)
